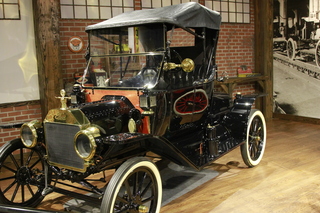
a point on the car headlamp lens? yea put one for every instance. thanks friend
(28, 133)
(85, 144)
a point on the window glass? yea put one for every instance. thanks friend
(94, 9)
(105, 12)
(67, 11)
(79, 2)
(92, 2)
(80, 12)
(105, 2)
(234, 11)
(1, 12)
(10, 9)
(147, 4)
(93, 12)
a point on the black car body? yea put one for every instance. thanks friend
(148, 87)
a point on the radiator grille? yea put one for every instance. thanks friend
(59, 143)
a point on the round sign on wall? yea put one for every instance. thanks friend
(75, 44)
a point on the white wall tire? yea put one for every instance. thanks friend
(137, 183)
(253, 149)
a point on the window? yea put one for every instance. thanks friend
(9, 10)
(147, 4)
(94, 9)
(232, 11)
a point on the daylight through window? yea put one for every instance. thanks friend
(94, 9)
(9, 9)
(148, 4)
(232, 11)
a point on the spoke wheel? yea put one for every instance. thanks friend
(317, 55)
(291, 49)
(21, 175)
(135, 187)
(252, 150)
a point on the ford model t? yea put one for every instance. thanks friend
(147, 88)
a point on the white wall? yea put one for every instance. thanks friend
(18, 65)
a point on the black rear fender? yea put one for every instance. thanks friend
(237, 120)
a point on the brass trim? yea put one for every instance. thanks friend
(85, 166)
(132, 126)
(90, 133)
(33, 126)
(186, 65)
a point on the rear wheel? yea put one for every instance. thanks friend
(135, 187)
(21, 175)
(291, 49)
(317, 55)
(252, 150)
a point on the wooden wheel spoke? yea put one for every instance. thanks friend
(10, 169)
(22, 193)
(147, 188)
(21, 157)
(142, 181)
(30, 190)
(128, 189)
(21, 180)
(123, 210)
(148, 199)
(29, 157)
(14, 161)
(8, 178)
(135, 183)
(35, 163)
(10, 186)
(15, 192)
(122, 200)
(252, 149)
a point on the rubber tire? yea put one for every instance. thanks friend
(5, 151)
(291, 46)
(245, 148)
(317, 56)
(125, 170)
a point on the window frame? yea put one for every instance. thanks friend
(3, 10)
(86, 6)
(231, 10)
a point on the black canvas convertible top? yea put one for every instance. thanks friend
(185, 15)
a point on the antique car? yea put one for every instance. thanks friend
(297, 34)
(148, 88)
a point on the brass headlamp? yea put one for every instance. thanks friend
(84, 142)
(28, 133)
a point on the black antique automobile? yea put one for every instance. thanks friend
(148, 88)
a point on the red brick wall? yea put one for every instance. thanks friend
(236, 48)
(17, 113)
(73, 62)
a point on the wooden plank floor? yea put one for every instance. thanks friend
(287, 179)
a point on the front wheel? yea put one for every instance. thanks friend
(22, 175)
(135, 187)
(252, 150)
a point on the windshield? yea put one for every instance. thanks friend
(126, 56)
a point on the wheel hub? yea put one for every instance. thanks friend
(23, 175)
(257, 138)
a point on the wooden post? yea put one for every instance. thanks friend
(263, 18)
(47, 38)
